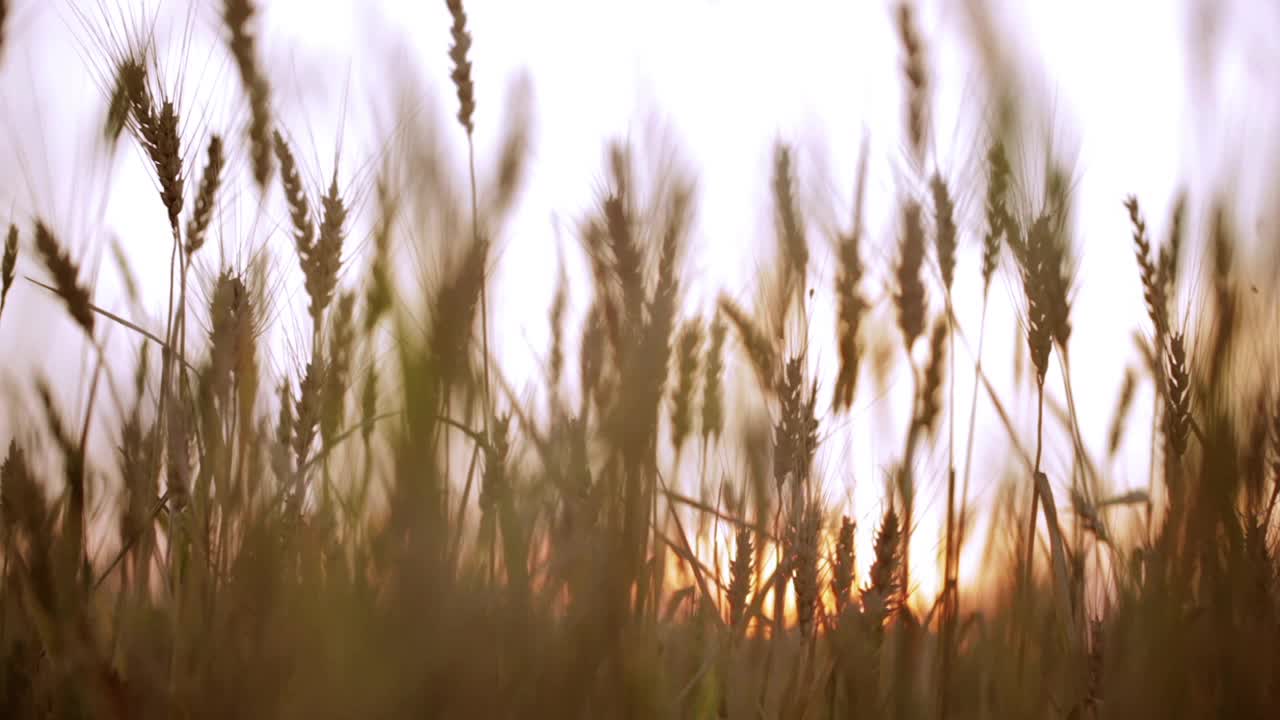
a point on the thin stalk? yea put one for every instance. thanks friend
(906, 480)
(166, 361)
(1031, 522)
(973, 414)
(484, 285)
(949, 590)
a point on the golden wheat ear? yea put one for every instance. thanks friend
(910, 297)
(842, 565)
(742, 574)
(916, 75)
(4, 26)
(206, 197)
(713, 381)
(944, 229)
(462, 66)
(66, 277)
(998, 173)
(9, 266)
(237, 15)
(883, 593)
(689, 357)
(850, 308)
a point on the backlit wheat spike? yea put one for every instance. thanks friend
(304, 229)
(1124, 403)
(759, 349)
(307, 412)
(881, 596)
(930, 390)
(338, 375)
(913, 67)
(206, 197)
(796, 430)
(493, 484)
(224, 310)
(1172, 250)
(850, 307)
(9, 266)
(910, 296)
(1177, 415)
(1153, 288)
(944, 229)
(688, 356)
(842, 565)
(804, 565)
(237, 14)
(66, 277)
(4, 25)
(22, 502)
(791, 231)
(1033, 262)
(379, 293)
(158, 131)
(997, 214)
(461, 74)
(118, 104)
(712, 380)
(321, 266)
(559, 305)
(178, 452)
(280, 459)
(741, 576)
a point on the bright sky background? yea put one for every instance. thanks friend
(1124, 82)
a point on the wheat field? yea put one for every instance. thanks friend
(305, 484)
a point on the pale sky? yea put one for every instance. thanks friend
(724, 79)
